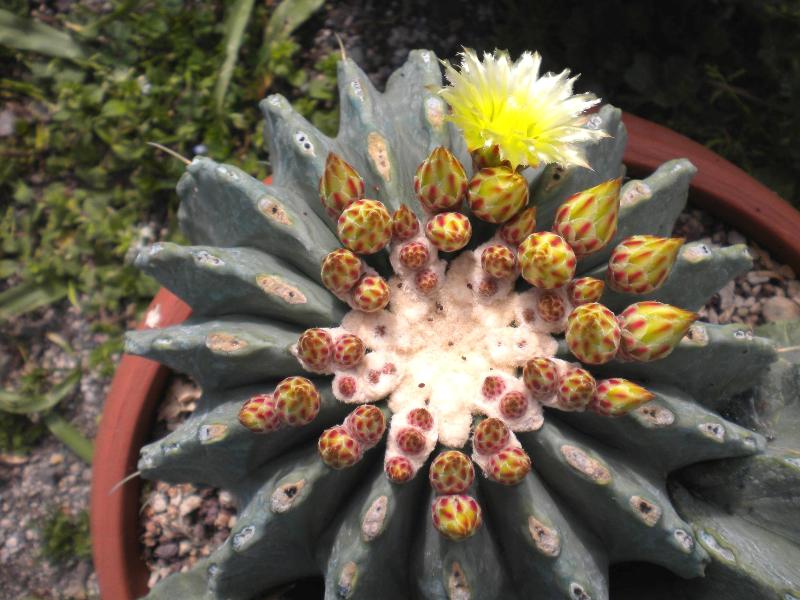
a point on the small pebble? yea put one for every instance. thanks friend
(780, 309)
(189, 505)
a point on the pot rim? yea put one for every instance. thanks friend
(719, 187)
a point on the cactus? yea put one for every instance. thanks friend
(354, 377)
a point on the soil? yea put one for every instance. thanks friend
(49, 478)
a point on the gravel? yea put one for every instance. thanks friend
(49, 478)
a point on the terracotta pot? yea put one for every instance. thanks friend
(719, 187)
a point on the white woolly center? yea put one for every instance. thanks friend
(445, 345)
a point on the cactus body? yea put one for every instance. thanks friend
(346, 406)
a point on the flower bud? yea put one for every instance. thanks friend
(498, 261)
(449, 231)
(456, 516)
(576, 390)
(497, 194)
(616, 397)
(339, 186)
(651, 330)
(588, 219)
(297, 401)
(259, 414)
(440, 181)
(371, 293)
(451, 473)
(340, 271)
(405, 224)
(509, 466)
(641, 264)
(546, 260)
(488, 156)
(518, 227)
(593, 333)
(584, 290)
(365, 227)
(338, 449)
(315, 348)
(540, 377)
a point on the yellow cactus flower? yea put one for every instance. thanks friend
(533, 119)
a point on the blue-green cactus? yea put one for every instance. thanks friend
(673, 482)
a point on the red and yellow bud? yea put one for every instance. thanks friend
(347, 386)
(340, 271)
(449, 231)
(509, 466)
(398, 469)
(546, 260)
(426, 281)
(414, 255)
(440, 181)
(593, 333)
(498, 261)
(420, 417)
(451, 473)
(513, 405)
(576, 390)
(315, 348)
(588, 219)
(338, 449)
(339, 186)
(641, 264)
(405, 224)
(496, 194)
(651, 330)
(410, 441)
(540, 376)
(584, 290)
(366, 424)
(365, 227)
(617, 397)
(259, 414)
(518, 227)
(551, 307)
(488, 156)
(492, 387)
(297, 401)
(490, 436)
(457, 516)
(348, 350)
(371, 293)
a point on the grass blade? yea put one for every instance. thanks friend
(25, 404)
(25, 297)
(235, 25)
(28, 34)
(288, 16)
(70, 436)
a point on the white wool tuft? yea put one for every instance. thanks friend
(443, 347)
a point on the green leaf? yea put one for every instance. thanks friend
(288, 16)
(25, 404)
(235, 25)
(70, 436)
(114, 108)
(27, 34)
(29, 296)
